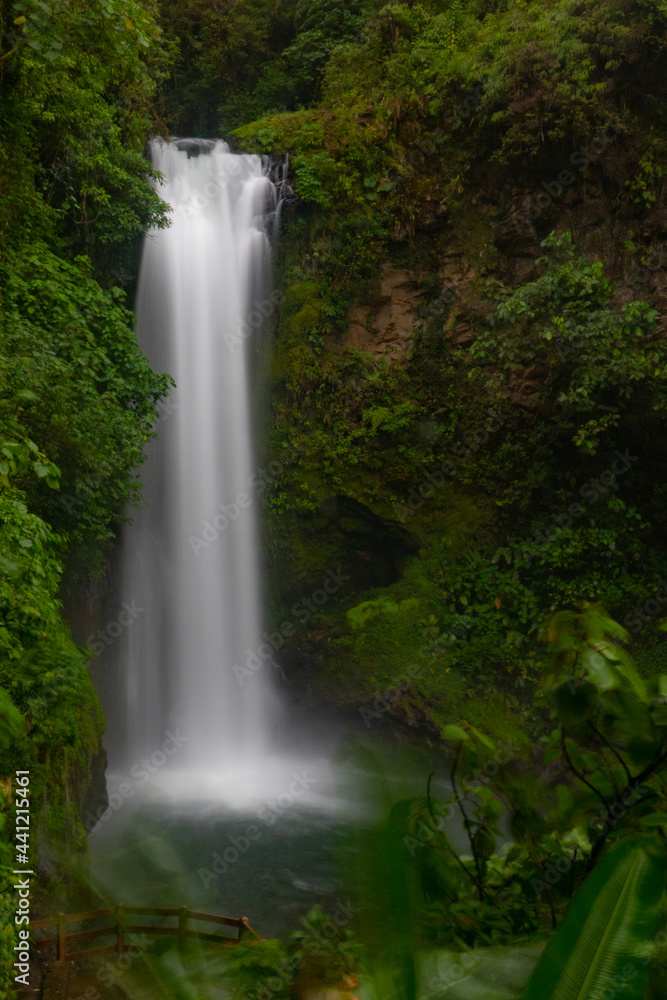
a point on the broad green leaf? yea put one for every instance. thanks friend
(654, 819)
(565, 800)
(611, 918)
(640, 750)
(452, 732)
(601, 673)
(577, 837)
(486, 740)
(626, 669)
(479, 974)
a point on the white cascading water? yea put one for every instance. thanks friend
(190, 558)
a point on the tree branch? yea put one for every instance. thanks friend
(470, 875)
(467, 823)
(580, 775)
(615, 753)
(632, 785)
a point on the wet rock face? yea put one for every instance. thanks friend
(374, 551)
(385, 326)
(94, 791)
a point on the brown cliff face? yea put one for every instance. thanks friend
(494, 237)
(384, 327)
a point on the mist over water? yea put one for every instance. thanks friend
(189, 564)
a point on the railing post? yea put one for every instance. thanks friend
(243, 927)
(120, 931)
(183, 928)
(62, 938)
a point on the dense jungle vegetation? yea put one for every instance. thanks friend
(469, 362)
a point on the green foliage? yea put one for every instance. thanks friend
(77, 86)
(50, 718)
(389, 113)
(75, 383)
(40, 668)
(321, 25)
(47, 29)
(11, 720)
(247, 59)
(601, 360)
(400, 95)
(382, 890)
(228, 68)
(335, 418)
(647, 184)
(612, 723)
(253, 964)
(322, 958)
(363, 614)
(590, 644)
(594, 875)
(410, 110)
(78, 81)
(608, 929)
(23, 456)
(547, 523)
(479, 973)
(498, 599)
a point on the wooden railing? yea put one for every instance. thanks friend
(120, 927)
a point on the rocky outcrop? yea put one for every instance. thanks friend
(386, 325)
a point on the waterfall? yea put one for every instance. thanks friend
(189, 564)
